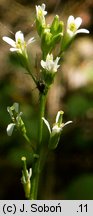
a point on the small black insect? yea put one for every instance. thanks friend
(41, 86)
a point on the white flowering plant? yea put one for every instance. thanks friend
(50, 35)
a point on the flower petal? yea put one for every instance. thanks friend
(57, 60)
(31, 40)
(43, 64)
(78, 22)
(10, 128)
(56, 63)
(9, 41)
(82, 31)
(68, 122)
(59, 114)
(19, 36)
(47, 124)
(70, 20)
(14, 49)
(43, 6)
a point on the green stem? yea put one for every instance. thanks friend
(37, 164)
(34, 79)
(26, 137)
(41, 114)
(35, 180)
(28, 140)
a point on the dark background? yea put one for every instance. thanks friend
(68, 172)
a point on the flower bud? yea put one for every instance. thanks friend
(46, 41)
(41, 13)
(40, 18)
(56, 26)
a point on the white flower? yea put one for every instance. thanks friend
(49, 64)
(10, 129)
(15, 116)
(58, 125)
(40, 13)
(19, 44)
(73, 26)
(56, 130)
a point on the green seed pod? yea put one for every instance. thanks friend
(26, 178)
(27, 188)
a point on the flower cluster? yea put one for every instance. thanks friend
(50, 35)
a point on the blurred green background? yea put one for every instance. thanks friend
(68, 172)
